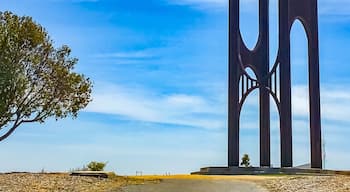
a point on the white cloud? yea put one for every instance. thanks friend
(138, 54)
(200, 2)
(334, 7)
(334, 102)
(208, 4)
(76, 1)
(300, 100)
(202, 111)
(326, 7)
(129, 57)
(137, 104)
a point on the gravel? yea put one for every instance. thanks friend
(61, 182)
(308, 184)
(31, 182)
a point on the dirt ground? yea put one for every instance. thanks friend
(61, 182)
(195, 183)
(272, 183)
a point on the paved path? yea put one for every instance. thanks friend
(178, 185)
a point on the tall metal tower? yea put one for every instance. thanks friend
(275, 82)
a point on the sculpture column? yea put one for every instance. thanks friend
(233, 90)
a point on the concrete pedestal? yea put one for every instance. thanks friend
(264, 170)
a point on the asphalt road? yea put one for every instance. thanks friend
(178, 185)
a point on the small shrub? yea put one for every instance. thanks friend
(96, 166)
(245, 160)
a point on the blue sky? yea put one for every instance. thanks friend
(159, 69)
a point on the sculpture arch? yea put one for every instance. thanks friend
(258, 59)
(300, 92)
(253, 28)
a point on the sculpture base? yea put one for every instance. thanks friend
(265, 170)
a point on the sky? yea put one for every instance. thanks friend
(159, 69)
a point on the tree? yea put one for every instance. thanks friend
(96, 166)
(36, 80)
(245, 160)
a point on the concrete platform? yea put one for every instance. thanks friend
(265, 170)
(98, 174)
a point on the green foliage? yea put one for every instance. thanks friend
(96, 166)
(36, 80)
(245, 160)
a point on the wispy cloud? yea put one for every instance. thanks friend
(128, 57)
(200, 111)
(214, 4)
(192, 2)
(331, 7)
(326, 7)
(138, 54)
(201, 3)
(334, 102)
(142, 105)
(76, 1)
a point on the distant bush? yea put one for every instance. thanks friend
(96, 166)
(245, 160)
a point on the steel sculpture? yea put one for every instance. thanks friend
(275, 82)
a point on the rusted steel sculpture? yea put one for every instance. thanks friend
(275, 82)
